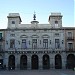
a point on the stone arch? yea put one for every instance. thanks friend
(46, 61)
(70, 61)
(58, 61)
(34, 62)
(11, 62)
(23, 62)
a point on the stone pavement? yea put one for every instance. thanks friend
(38, 72)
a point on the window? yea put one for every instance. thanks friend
(12, 43)
(56, 34)
(0, 35)
(57, 44)
(45, 43)
(34, 43)
(56, 23)
(23, 43)
(13, 22)
(70, 45)
(69, 34)
(12, 35)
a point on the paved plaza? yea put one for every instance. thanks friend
(38, 72)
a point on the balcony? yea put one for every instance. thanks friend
(58, 49)
(30, 50)
(70, 38)
(34, 49)
(70, 50)
(11, 49)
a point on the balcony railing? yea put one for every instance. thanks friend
(70, 49)
(38, 50)
(70, 38)
(28, 49)
(31, 49)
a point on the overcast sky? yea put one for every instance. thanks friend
(43, 9)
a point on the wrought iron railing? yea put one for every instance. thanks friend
(70, 38)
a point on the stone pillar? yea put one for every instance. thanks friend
(63, 60)
(63, 63)
(29, 62)
(6, 60)
(40, 58)
(17, 61)
(52, 61)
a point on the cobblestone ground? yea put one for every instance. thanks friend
(38, 72)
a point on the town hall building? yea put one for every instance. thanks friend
(37, 46)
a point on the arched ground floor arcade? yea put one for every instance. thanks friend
(39, 61)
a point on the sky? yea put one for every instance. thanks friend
(42, 8)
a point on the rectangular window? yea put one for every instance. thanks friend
(56, 34)
(69, 34)
(13, 22)
(12, 43)
(56, 23)
(34, 43)
(70, 46)
(12, 35)
(24, 44)
(0, 35)
(57, 44)
(45, 43)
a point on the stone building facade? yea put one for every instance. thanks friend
(37, 46)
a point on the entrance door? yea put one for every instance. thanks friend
(46, 62)
(58, 62)
(11, 62)
(34, 62)
(23, 62)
